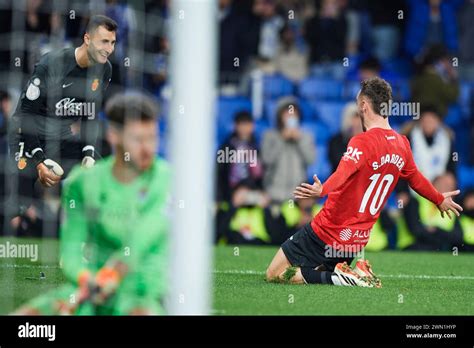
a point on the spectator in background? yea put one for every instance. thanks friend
(471, 130)
(385, 27)
(5, 112)
(325, 35)
(351, 126)
(432, 144)
(369, 68)
(466, 38)
(436, 82)
(229, 175)
(249, 220)
(431, 22)
(40, 22)
(297, 12)
(291, 61)
(287, 151)
(270, 25)
(467, 220)
(234, 42)
(354, 26)
(424, 222)
(157, 22)
(158, 78)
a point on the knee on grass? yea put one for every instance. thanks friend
(289, 275)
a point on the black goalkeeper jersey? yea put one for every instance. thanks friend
(58, 94)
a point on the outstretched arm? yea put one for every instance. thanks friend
(350, 163)
(343, 172)
(421, 185)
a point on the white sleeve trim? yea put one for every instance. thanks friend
(36, 150)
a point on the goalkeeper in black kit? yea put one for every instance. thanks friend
(67, 86)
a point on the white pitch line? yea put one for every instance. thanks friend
(405, 276)
(252, 272)
(11, 265)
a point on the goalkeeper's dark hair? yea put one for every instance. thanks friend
(378, 91)
(123, 108)
(101, 21)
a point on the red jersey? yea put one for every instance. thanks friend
(364, 179)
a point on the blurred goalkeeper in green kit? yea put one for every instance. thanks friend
(114, 233)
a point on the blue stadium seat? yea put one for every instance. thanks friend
(330, 113)
(461, 142)
(401, 89)
(454, 116)
(351, 89)
(275, 86)
(398, 66)
(465, 177)
(315, 88)
(318, 130)
(227, 107)
(466, 88)
(321, 166)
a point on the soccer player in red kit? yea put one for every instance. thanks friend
(322, 251)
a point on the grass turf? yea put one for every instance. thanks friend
(413, 284)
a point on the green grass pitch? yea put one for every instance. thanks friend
(413, 284)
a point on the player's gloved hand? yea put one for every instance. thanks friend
(88, 162)
(47, 176)
(106, 282)
(85, 282)
(309, 191)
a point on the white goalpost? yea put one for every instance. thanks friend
(193, 86)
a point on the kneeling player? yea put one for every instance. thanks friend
(322, 251)
(115, 229)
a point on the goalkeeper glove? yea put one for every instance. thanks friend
(88, 162)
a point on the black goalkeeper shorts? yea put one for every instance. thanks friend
(306, 249)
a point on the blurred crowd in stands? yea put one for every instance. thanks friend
(289, 72)
(289, 75)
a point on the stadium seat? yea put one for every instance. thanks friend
(318, 130)
(466, 88)
(275, 86)
(330, 113)
(351, 89)
(454, 116)
(465, 177)
(321, 166)
(401, 89)
(398, 66)
(315, 88)
(227, 107)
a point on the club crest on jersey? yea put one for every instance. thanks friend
(22, 163)
(33, 91)
(352, 154)
(95, 84)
